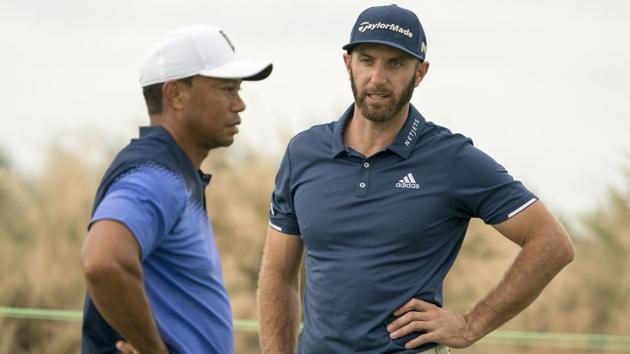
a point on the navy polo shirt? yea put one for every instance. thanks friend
(379, 231)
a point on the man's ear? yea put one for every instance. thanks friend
(174, 94)
(347, 58)
(423, 68)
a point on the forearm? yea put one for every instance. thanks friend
(536, 265)
(121, 299)
(545, 250)
(278, 314)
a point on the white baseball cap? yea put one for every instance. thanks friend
(198, 50)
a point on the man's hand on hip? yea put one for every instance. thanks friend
(440, 325)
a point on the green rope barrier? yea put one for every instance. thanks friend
(40, 314)
(520, 338)
(559, 340)
(63, 315)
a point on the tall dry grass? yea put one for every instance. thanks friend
(42, 224)
(42, 227)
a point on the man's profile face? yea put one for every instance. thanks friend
(212, 111)
(382, 79)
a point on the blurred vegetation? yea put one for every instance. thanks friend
(43, 223)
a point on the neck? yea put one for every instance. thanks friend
(195, 153)
(369, 137)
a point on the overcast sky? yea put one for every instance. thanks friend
(542, 86)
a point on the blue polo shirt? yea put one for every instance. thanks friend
(379, 231)
(155, 191)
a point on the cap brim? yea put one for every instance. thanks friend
(250, 70)
(351, 46)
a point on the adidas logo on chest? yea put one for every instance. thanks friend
(408, 182)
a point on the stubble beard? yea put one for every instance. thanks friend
(386, 112)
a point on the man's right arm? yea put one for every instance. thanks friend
(278, 293)
(111, 264)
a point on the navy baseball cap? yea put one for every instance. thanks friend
(390, 25)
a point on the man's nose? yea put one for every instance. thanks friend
(379, 75)
(238, 105)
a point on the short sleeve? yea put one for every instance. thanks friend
(282, 215)
(483, 188)
(148, 201)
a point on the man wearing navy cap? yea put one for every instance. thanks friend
(378, 203)
(151, 265)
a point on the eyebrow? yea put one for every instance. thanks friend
(402, 56)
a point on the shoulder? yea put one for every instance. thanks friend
(151, 181)
(440, 138)
(147, 149)
(150, 155)
(316, 133)
(316, 139)
(153, 175)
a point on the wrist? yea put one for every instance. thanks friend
(470, 334)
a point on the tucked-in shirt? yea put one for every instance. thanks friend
(381, 230)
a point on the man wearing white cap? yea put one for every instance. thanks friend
(378, 203)
(154, 280)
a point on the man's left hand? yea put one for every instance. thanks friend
(440, 325)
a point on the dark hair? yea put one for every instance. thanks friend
(153, 95)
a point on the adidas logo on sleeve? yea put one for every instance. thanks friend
(408, 182)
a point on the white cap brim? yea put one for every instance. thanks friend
(244, 69)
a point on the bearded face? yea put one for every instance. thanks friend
(380, 103)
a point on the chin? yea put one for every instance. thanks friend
(381, 115)
(217, 144)
(227, 142)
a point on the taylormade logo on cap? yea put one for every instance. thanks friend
(366, 26)
(389, 25)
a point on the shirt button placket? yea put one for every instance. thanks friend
(364, 179)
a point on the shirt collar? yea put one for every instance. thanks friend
(205, 178)
(161, 134)
(408, 135)
(402, 145)
(156, 131)
(338, 146)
